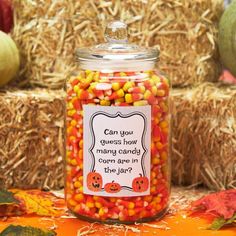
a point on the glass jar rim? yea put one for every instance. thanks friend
(110, 66)
(117, 49)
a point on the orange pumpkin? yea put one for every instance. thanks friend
(94, 181)
(140, 184)
(112, 187)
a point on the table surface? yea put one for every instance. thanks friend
(176, 223)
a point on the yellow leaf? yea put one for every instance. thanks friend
(38, 202)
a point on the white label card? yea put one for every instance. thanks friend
(116, 155)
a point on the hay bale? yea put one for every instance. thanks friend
(31, 139)
(48, 31)
(44, 36)
(204, 136)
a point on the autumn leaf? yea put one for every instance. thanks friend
(7, 197)
(18, 230)
(221, 222)
(19, 202)
(9, 205)
(38, 202)
(221, 204)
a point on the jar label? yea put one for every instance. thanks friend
(116, 156)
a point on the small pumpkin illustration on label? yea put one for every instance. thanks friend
(112, 187)
(140, 184)
(94, 181)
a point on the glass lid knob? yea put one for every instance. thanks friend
(116, 32)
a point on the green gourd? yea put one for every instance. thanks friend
(227, 38)
(9, 59)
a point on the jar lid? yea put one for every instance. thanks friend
(116, 52)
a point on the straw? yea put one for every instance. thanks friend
(31, 139)
(204, 136)
(47, 33)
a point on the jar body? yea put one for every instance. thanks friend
(117, 160)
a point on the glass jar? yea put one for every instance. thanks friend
(117, 163)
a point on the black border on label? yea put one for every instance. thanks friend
(119, 114)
